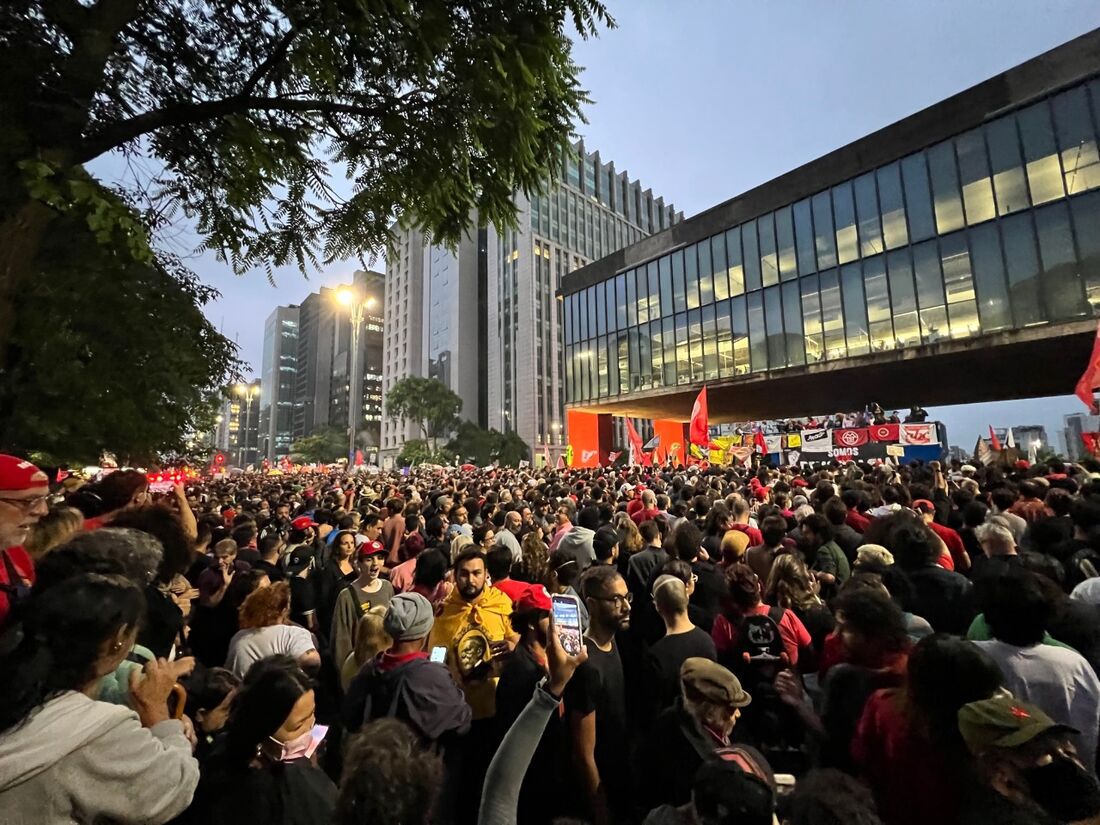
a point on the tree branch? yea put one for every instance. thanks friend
(124, 131)
(277, 54)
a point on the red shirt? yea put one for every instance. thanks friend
(645, 514)
(24, 569)
(857, 521)
(895, 760)
(388, 661)
(833, 652)
(755, 536)
(954, 544)
(794, 633)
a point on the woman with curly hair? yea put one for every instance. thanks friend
(534, 567)
(265, 630)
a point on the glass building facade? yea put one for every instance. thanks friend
(994, 229)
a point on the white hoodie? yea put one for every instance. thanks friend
(78, 760)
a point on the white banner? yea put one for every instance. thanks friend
(774, 443)
(918, 435)
(816, 441)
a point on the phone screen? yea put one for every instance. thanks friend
(161, 486)
(567, 619)
(439, 654)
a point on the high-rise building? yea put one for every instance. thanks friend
(1075, 425)
(238, 430)
(279, 379)
(322, 379)
(484, 318)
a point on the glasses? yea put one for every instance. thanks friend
(617, 600)
(26, 504)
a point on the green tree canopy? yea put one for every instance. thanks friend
(324, 446)
(483, 447)
(113, 355)
(249, 109)
(426, 402)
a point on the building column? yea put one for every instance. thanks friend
(590, 436)
(672, 432)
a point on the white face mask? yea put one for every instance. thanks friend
(300, 746)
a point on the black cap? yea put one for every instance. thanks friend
(734, 786)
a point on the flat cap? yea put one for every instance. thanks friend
(712, 682)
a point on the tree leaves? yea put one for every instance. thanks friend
(426, 402)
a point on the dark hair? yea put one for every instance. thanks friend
(109, 551)
(874, 614)
(268, 693)
(684, 541)
(773, 529)
(270, 542)
(679, 569)
(834, 510)
(945, 673)
(564, 567)
(116, 489)
(244, 532)
(744, 587)
(1002, 498)
(650, 530)
(827, 796)
(525, 620)
(63, 633)
(913, 547)
(431, 568)
(597, 579)
(164, 524)
(498, 561)
(207, 688)
(1015, 607)
(605, 539)
(589, 518)
(854, 499)
(368, 520)
(974, 513)
(389, 778)
(820, 526)
(468, 554)
(433, 527)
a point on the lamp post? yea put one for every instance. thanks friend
(248, 392)
(358, 305)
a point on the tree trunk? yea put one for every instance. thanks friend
(21, 233)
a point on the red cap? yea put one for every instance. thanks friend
(923, 505)
(371, 548)
(762, 493)
(16, 474)
(800, 482)
(302, 522)
(534, 598)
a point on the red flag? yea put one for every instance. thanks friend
(885, 432)
(994, 442)
(1088, 380)
(358, 458)
(546, 456)
(852, 437)
(635, 443)
(561, 462)
(698, 429)
(760, 443)
(1092, 442)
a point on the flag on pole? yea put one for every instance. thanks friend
(652, 444)
(698, 428)
(636, 449)
(561, 462)
(1010, 442)
(1088, 380)
(994, 442)
(545, 455)
(982, 452)
(358, 458)
(613, 456)
(760, 443)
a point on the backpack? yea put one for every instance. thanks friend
(759, 640)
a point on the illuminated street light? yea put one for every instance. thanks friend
(349, 297)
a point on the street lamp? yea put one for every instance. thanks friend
(358, 305)
(248, 392)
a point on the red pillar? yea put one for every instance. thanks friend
(672, 432)
(590, 435)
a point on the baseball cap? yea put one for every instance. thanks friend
(923, 505)
(299, 559)
(534, 597)
(372, 548)
(17, 474)
(1004, 722)
(302, 522)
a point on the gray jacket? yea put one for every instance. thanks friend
(78, 760)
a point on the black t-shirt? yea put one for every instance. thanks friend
(663, 661)
(710, 590)
(274, 572)
(598, 686)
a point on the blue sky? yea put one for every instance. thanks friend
(704, 100)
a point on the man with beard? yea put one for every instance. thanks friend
(1028, 769)
(475, 629)
(23, 501)
(595, 700)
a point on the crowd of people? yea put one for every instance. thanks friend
(869, 415)
(848, 644)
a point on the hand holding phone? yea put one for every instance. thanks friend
(561, 662)
(567, 622)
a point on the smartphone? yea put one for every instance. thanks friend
(439, 654)
(161, 486)
(567, 619)
(316, 737)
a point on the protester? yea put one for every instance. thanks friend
(65, 757)
(24, 492)
(682, 641)
(367, 591)
(266, 631)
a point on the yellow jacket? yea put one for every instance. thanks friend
(467, 629)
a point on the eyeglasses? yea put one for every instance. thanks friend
(26, 504)
(618, 600)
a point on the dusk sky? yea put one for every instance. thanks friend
(704, 100)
